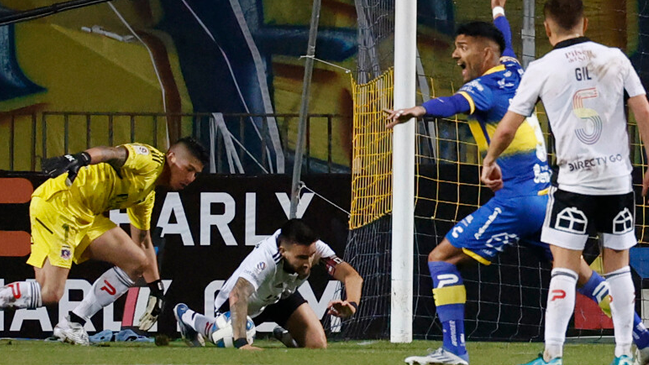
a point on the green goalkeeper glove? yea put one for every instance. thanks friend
(154, 306)
(71, 164)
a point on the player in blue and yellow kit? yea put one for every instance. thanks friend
(68, 224)
(491, 74)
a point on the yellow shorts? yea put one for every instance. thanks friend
(60, 236)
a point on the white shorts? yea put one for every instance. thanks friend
(571, 217)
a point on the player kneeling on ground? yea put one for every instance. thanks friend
(265, 285)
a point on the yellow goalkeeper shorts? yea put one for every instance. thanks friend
(60, 236)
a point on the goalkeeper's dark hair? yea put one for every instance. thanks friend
(195, 148)
(483, 30)
(567, 13)
(296, 231)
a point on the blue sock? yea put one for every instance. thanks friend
(597, 290)
(450, 296)
(640, 333)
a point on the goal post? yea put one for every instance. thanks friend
(392, 232)
(403, 172)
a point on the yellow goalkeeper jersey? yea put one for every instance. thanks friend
(100, 187)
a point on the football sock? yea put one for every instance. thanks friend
(561, 304)
(75, 318)
(285, 337)
(450, 297)
(21, 294)
(200, 323)
(623, 293)
(597, 289)
(105, 290)
(640, 332)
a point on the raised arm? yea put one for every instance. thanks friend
(239, 296)
(500, 21)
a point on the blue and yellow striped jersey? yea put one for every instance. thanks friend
(524, 163)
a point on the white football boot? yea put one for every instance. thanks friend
(439, 356)
(71, 332)
(641, 356)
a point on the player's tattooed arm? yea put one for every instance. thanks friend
(115, 156)
(239, 296)
(344, 272)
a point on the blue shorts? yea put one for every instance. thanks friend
(500, 223)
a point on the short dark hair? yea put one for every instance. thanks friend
(296, 231)
(195, 148)
(567, 13)
(483, 30)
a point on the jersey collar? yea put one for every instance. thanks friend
(571, 42)
(494, 69)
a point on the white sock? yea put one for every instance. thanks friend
(561, 305)
(21, 294)
(105, 290)
(622, 308)
(200, 323)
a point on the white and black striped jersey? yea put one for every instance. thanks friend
(582, 85)
(264, 269)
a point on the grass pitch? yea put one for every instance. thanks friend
(338, 353)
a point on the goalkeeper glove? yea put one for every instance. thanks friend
(154, 306)
(71, 164)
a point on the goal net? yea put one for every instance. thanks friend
(505, 300)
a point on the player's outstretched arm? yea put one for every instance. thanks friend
(71, 164)
(502, 138)
(238, 298)
(640, 108)
(345, 273)
(441, 107)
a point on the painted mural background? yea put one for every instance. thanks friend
(232, 56)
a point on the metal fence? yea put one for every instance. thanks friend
(25, 139)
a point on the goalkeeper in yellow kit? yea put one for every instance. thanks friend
(68, 224)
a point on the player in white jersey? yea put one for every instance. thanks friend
(264, 287)
(582, 85)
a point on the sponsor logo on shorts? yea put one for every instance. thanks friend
(571, 220)
(66, 253)
(623, 222)
(500, 240)
(484, 227)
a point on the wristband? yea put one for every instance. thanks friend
(355, 305)
(157, 289)
(84, 157)
(498, 10)
(240, 342)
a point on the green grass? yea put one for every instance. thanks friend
(339, 353)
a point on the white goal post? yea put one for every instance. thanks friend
(403, 172)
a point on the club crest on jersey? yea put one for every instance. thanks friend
(66, 253)
(260, 267)
(141, 150)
